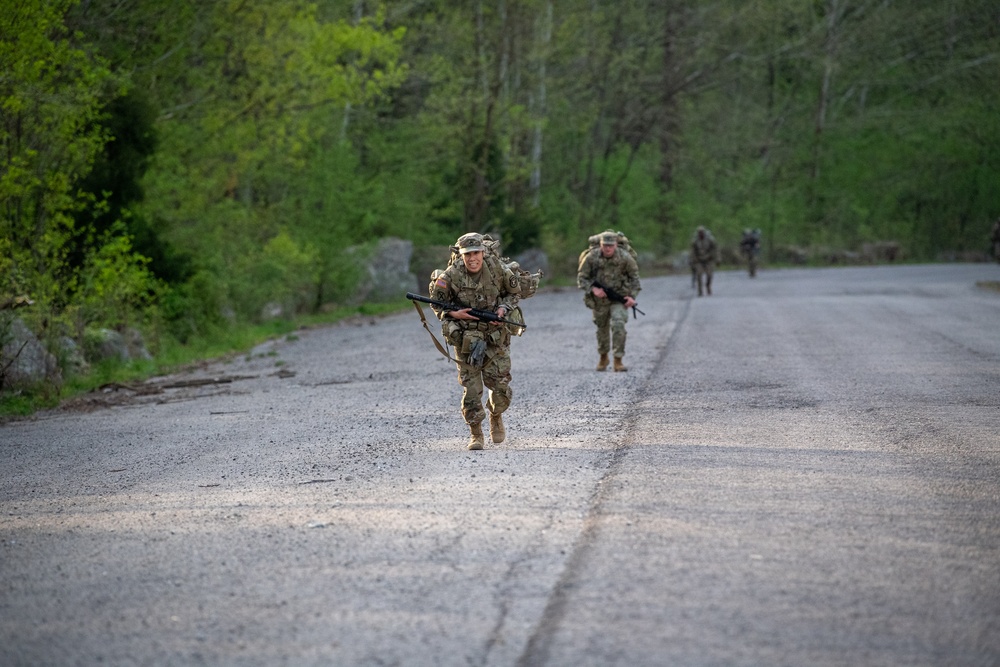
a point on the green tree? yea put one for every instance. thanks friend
(245, 93)
(51, 98)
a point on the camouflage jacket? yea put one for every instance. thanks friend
(704, 251)
(619, 272)
(495, 285)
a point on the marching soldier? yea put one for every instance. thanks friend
(750, 247)
(479, 281)
(995, 240)
(616, 269)
(704, 256)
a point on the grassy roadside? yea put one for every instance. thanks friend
(173, 357)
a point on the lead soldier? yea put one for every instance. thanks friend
(479, 281)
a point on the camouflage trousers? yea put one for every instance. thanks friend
(610, 319)
(704, 269)
(495, 376)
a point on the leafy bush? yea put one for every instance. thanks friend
(115, 286)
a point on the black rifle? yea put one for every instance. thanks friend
(483, 315)
(617, 298)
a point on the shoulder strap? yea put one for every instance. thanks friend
(438, 345)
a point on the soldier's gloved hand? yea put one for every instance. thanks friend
(477, 354)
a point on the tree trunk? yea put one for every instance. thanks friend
(359, 12)
(834, 10)
(535, 182)
(600, 144)
(669, 129)
(478, 203)
(669, 124)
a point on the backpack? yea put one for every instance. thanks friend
(595, 242)
(527, 281)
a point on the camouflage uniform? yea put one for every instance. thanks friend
(620, 272)
(995, 238)
(493, 286)
(704, 256)
(750, 247)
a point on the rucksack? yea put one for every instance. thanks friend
(595, 242)
(527, 281)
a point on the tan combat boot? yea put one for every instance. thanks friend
(619, 366)
(602, 364)
(476, 439)
(497, 431)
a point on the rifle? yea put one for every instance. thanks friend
(617, 298)
(483, 315)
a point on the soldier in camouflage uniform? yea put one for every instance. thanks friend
(704, 256)
(480, 281)
(995, 240)
(750, 247)
(612, 266)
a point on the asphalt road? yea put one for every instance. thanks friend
(803, 469)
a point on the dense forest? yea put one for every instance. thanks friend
(176, 165)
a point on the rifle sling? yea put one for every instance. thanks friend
(441, 349)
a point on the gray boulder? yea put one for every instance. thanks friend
(136, 345)
(71, 357)
(104, 345)
(24, 361)
(388, 276)
(881, 251)
(533, 259)
(425, 259)
(272, 310)
(108, 344)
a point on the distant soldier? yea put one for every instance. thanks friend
(995, 238)
(482, 282)
(704, 257)
(750, 247)
(613, 267)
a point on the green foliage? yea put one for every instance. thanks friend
(50, 96)
(277, 77)
(281, 276)
(22, 405)
(113, 183)
(196, 308)
(114, 285)
(186, 165)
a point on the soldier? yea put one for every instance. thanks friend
(479, 281)
(615, 268)
(704, 256)
(995, 240)
(750, 247)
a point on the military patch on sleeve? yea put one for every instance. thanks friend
(441, 282)
(513, 281)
